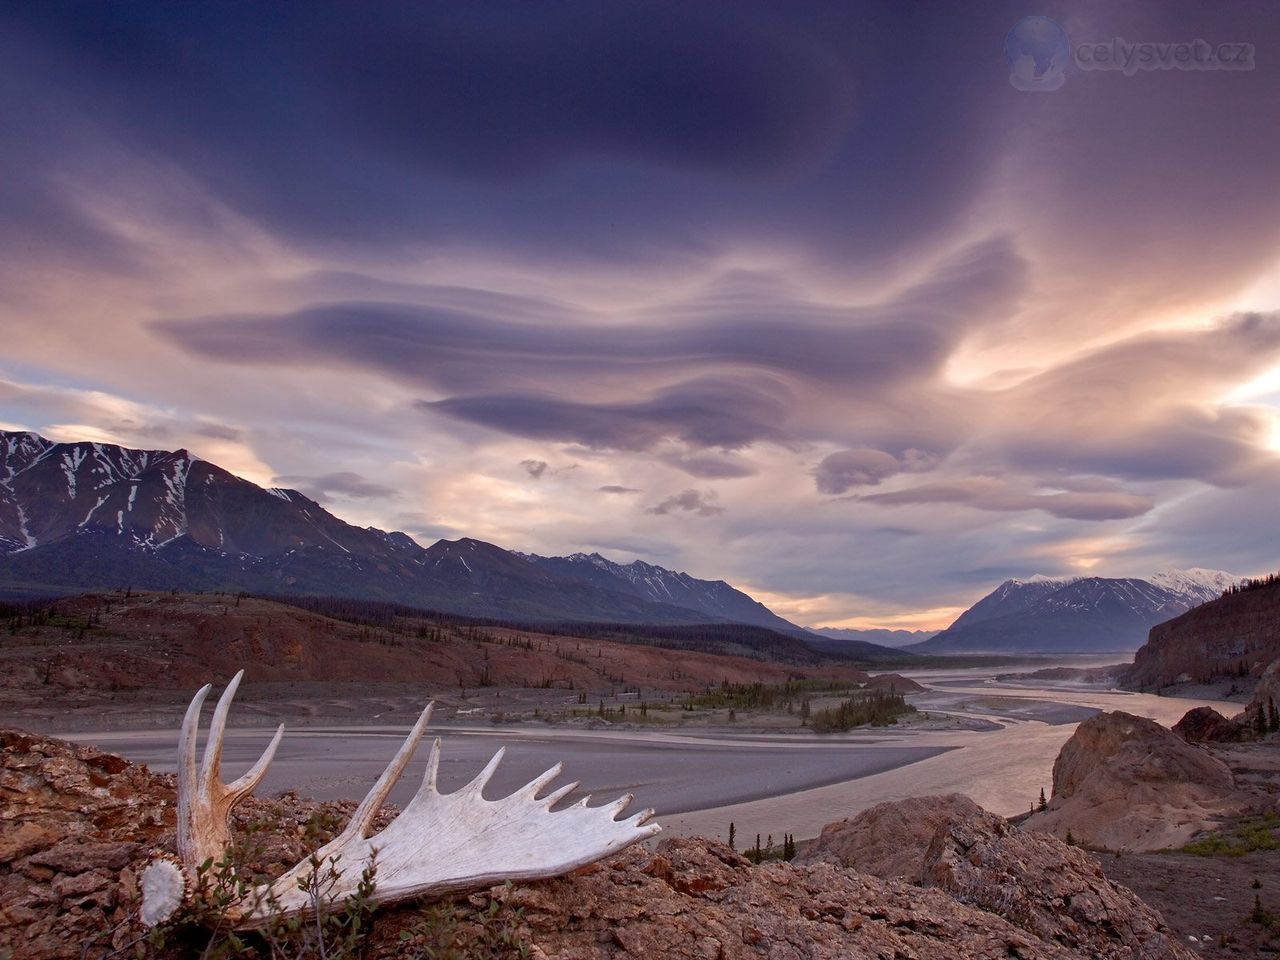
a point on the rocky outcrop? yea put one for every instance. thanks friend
(1054, 891)
(1207, 725)
(894, 683)
(79, 824)
(1266, 697)
(1126, 783)
(888, 840)
(698, 900)
(1236, 635)
(74, 820)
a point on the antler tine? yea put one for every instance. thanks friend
(429, 775)
(534, 786)
(189, 792)
(211, 768)
(482, 779)
(620, 804)
(551, 799)
(246, 784)
(643, 817)
(364, 816)
(187, 739)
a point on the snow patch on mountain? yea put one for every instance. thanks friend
(1195, 582)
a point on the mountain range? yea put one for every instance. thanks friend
(1076, 614)
(837, 638)
(83, 516)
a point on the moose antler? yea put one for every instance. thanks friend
(439, 844)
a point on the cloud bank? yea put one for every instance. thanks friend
(814, 276)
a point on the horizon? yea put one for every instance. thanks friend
(844, 315)
(910, 623)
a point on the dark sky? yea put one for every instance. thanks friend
(812, 297)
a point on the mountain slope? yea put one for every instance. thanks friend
(1233, 635)
(835, 638)
(1083, 614)
(77, 516)
(715, 598)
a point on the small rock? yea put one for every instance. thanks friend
(76, 857)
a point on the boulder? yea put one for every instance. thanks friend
(1052, 890)
(1207, 725)
(1056, 892)
(888, 840)
(1126, 783)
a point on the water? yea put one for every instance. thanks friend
(700, 781)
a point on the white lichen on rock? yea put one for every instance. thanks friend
(164, 888)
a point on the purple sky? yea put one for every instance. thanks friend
(809, 297)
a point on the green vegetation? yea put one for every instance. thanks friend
(761, 696)
(762, 853)
(1253, 583)
(877, 709)
(1259, 915)
(1247, 836)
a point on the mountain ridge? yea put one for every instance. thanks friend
(716, 598)
(87, 515)
(1075, 614)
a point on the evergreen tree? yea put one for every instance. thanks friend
(1274, 719)
(1258, 915)
(733, 835)
(1043, 804)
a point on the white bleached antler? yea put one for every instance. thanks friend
(439, 844)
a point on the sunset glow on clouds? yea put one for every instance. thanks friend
(806, 297)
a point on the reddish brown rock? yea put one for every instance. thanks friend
(1126, 783)
(889, 839)
(723, 907)
(76, 857)
(1207, 725)
(1050, 889)
(1054, 891)
(894, 683)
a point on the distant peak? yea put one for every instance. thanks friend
(1213, 580)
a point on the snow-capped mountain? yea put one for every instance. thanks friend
(79, 516)
(1196, 583)
(715, 598)
(1077, 614)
